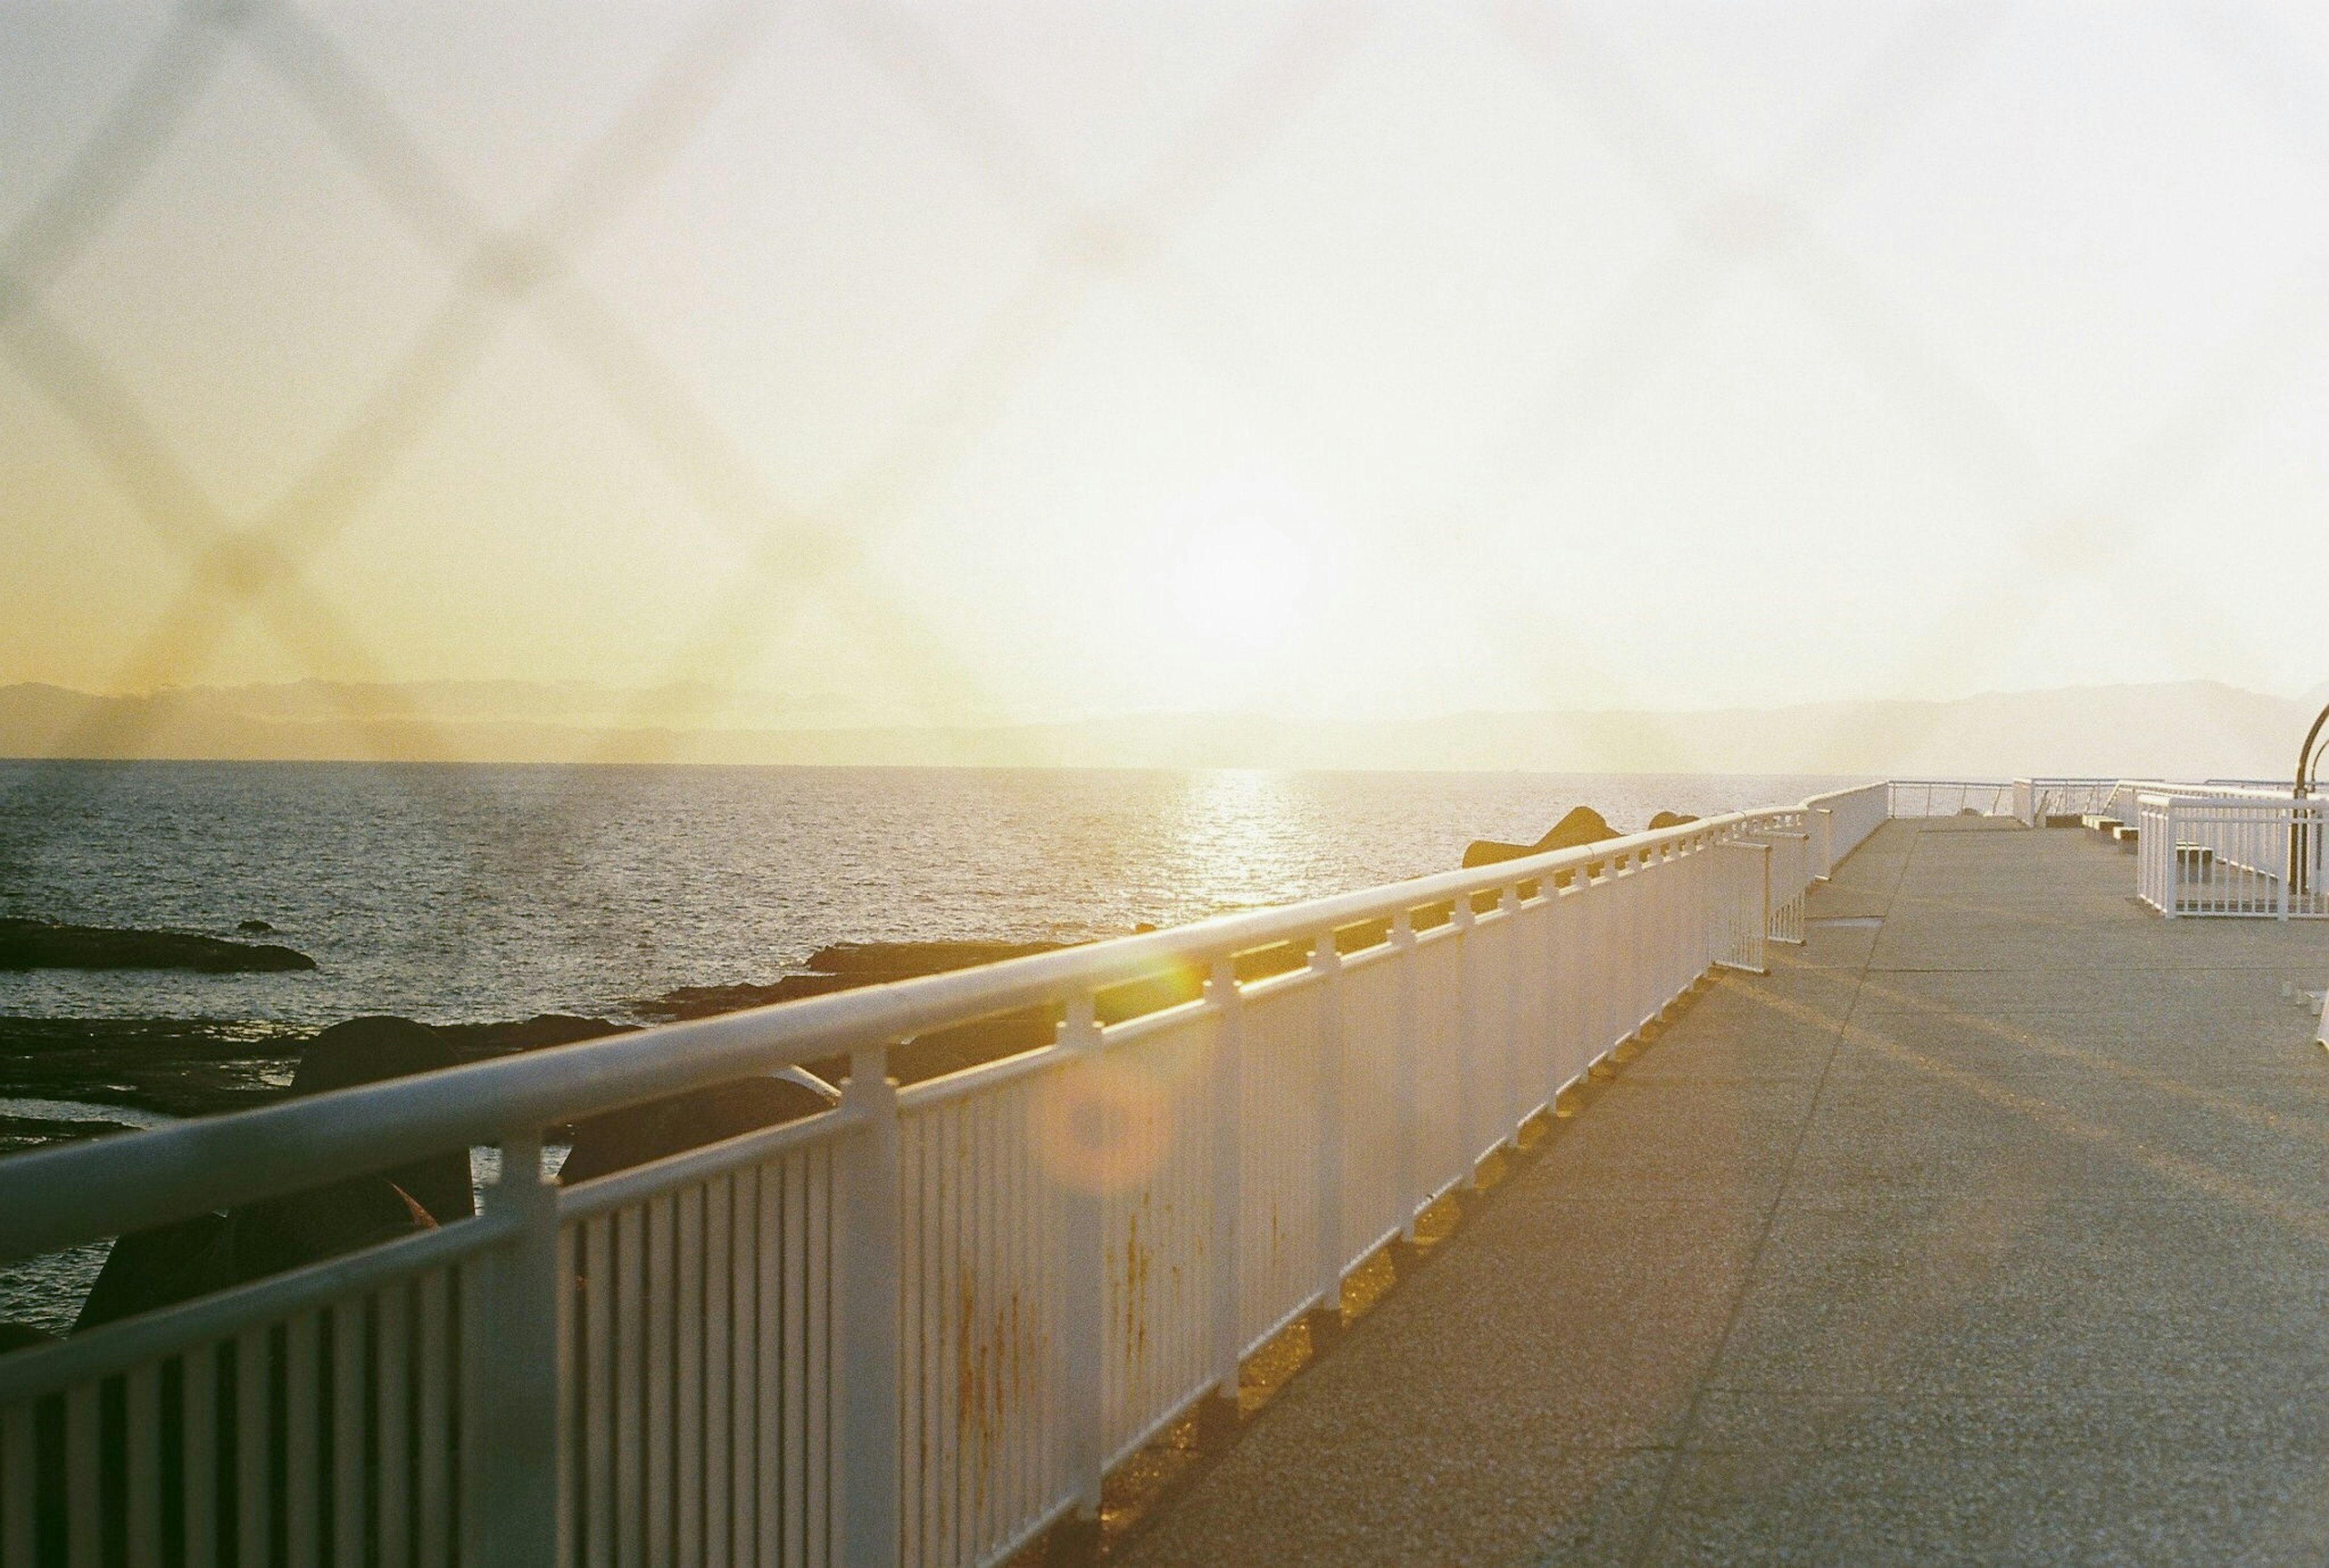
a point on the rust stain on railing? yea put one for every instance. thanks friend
(994, 1354)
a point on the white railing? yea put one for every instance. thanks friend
(2231, 852)
(917, 1329)
(1843, 821)
(1937, 797)
(2037, 798)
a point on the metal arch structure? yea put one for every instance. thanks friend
(2300, 833)
(2308, 756)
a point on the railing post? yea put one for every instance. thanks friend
(1219, 1413)
(1327, 962)
(1823, 826)
(1508, 901)
(2288, 869)
(516, 1511)
(1467, 1034)
(1083, 1312)
(2173, 883)
(1556, 1000)
(869, 1269)
(1410, 1185)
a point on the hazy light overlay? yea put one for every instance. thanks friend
(964, 363)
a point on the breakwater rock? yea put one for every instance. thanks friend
(1582, 825)
(845, 966)
(40, 944)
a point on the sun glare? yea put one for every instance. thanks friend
(1236, 575)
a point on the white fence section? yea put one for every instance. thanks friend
(2037, 798)
(914, 1329)
(1841, 822)
(2243, 854)
(1934, 797)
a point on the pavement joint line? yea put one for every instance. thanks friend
(1640, 1557)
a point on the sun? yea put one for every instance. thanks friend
(1231, 578)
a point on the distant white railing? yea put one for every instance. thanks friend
(2231, 851)
(1934, 797)
(2037, 798)
(917, 1329)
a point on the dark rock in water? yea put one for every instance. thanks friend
(214, 1251)
(209, 1253)
(662, 1128)
(22, 1337)
(845, 966)
(476, 1042)
(1583, 825)
(280, 1234)
(178, 1066)
(202, 1066)
(38, 945)
(254, 927)
(30, 1131)
(1670, 819)
(157, 1267)
(369, 1050)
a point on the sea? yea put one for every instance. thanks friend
(455, 894)
(452, 893)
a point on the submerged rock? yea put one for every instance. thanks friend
(177, 1066)
(1582, 825)
(39, 944)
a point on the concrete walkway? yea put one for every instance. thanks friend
(1994, 1232)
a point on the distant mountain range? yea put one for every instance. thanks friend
(2185, 729)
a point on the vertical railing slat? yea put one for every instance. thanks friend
(198, 1439)
(351, 1462)
(392, 1344)
(142, 1409)
(252, 1534)
(19, 1486)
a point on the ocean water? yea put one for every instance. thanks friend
(466, 892)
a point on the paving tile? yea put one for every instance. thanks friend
(1508, 1504)
(1977, 1294)
(1988, 1507)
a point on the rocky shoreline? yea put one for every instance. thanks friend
(203, 1066)
(45, 945)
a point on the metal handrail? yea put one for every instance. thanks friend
(58, 1197)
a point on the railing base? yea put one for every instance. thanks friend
(1218, 1422)
(1072, 1542)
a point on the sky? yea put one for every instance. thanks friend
(961, 362)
